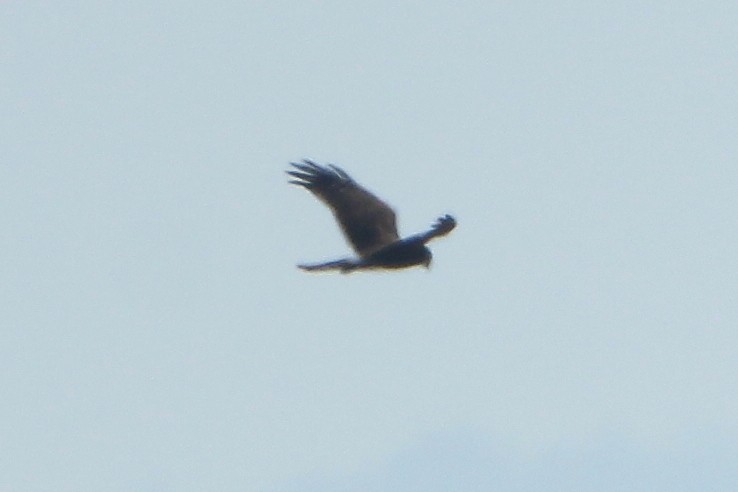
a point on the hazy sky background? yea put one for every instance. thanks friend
(577, 331)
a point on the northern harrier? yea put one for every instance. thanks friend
(367, 222)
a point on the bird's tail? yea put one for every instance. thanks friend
(345, 265)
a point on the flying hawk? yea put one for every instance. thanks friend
(367, 222)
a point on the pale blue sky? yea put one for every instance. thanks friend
(577, 331)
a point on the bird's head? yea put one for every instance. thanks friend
(427, 257)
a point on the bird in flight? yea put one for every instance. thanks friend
(367, 222)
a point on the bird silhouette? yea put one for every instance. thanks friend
(367, 222)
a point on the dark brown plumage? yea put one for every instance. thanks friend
(368, 223)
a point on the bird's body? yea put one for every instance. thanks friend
(399, 254)
(368, 223)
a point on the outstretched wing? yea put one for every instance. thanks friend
(442, 226)
(367, 222)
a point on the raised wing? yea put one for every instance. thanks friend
(367, 222)
(442, 226)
